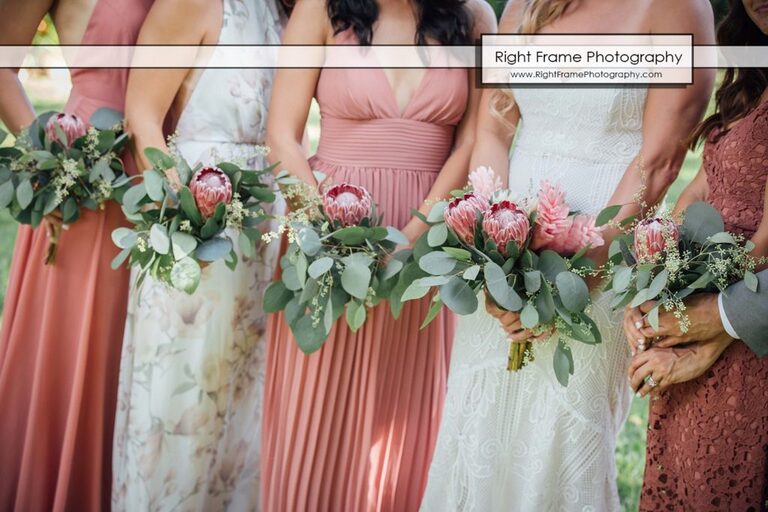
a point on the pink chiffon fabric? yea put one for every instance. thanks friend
(352, 427)
(62, 328)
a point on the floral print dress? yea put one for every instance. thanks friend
(188, 423)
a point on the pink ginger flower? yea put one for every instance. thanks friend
(505, 223)
(347, 204)
(461, 216)
(484, 183)
(210, 186)
(72, 126)
(552, 215)
(652, 237)
(580, 232)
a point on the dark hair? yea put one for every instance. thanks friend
(741, 88)
(446, 21)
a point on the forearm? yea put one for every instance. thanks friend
(146, 132)
(289, 154)
(491, 151)
(452, 176)
(15, 108)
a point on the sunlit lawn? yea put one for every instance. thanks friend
(630, 451)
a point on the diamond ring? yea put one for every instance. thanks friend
(651, 382)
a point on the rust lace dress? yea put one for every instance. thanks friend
(708, 438)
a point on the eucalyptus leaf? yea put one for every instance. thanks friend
(563, 363)
(105, 118)
(183, 244)
(532, 281)
(185, 275)
(458, 296)
(529, 316)
(396, 236)
(309, 241)
(658, 284)
(607, 215)
(722, 238)
(246, 245)
(120, 258)
(496, 283)
(6, 194)
(158, 238)
(551, 265)
(653, 317)
(213, 249)
(355, 315)
(573, 291)
(434, 310)
(437, 263)
(701, 221)
(153, 182)
(414, 291)
(309, 337)
(622, 276)
(459, 253)
(124, 238)
(320, 267)
(471, 273)
(393, 268)
(436, 214)
(355, 279)
(437, 235)
(751, 281)
(25, 194)
(276, 297)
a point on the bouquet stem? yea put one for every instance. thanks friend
(54, 231)
(518, 353)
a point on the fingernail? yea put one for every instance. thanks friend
(638, 325)
(633, 352)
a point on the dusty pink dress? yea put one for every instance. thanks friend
(63, 327)
(352, 427)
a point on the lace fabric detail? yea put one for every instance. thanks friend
(520, 441)
(707, 438)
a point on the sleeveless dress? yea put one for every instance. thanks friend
(63, 325)
(352, 426)
(708, 438)
(188, 426)
(519, 440)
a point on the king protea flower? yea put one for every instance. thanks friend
(72, 126)
(210, 186)
(347, 204)
(461, 216)
(652, 237)
(505, 223)
(484, 183)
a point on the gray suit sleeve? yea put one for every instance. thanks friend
(748, 313)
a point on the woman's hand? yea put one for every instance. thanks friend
(512, 324)
(669, 366)
(633, 323)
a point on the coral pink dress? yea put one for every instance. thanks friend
(352, 427)
(708, 437)
(63, 326)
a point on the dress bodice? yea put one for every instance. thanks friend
(361, 122)
(112, 22)
(230, 105)
(583, 139)
(737, 166)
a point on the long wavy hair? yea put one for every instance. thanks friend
(536, 14)
(741, 88)
(448, 22)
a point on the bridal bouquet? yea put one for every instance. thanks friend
(338, 260)
(59, 165)
(665, 262)
(177, 232)
(528, 256)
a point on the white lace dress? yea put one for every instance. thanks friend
(520, 441)
(188, 426)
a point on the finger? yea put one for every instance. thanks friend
(494, 310)
(645, 390)
(520, 336)
(645, 307)
(511, 324)
(636, 362)
(634, 337)
(639, 376)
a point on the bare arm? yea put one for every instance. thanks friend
(454, 173)
(18, 23)
(494, 132)
(151, 92)
(293, 92)
(670, 116)
(696, 190)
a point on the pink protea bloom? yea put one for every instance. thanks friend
(484, 183)
(210, 186)
(461, 216)
(580, 232)
(347, 204)
(505, 223)
(552, 215)
(652, 237)
(72, 126)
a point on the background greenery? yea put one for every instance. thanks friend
(630, 450)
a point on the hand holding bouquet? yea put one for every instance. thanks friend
(59, 165)
(529, 257)
(337, 261)
(664, 262)
(175, 233)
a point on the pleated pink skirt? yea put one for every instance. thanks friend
(353, 426)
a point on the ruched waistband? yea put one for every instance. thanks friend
(390, 143)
